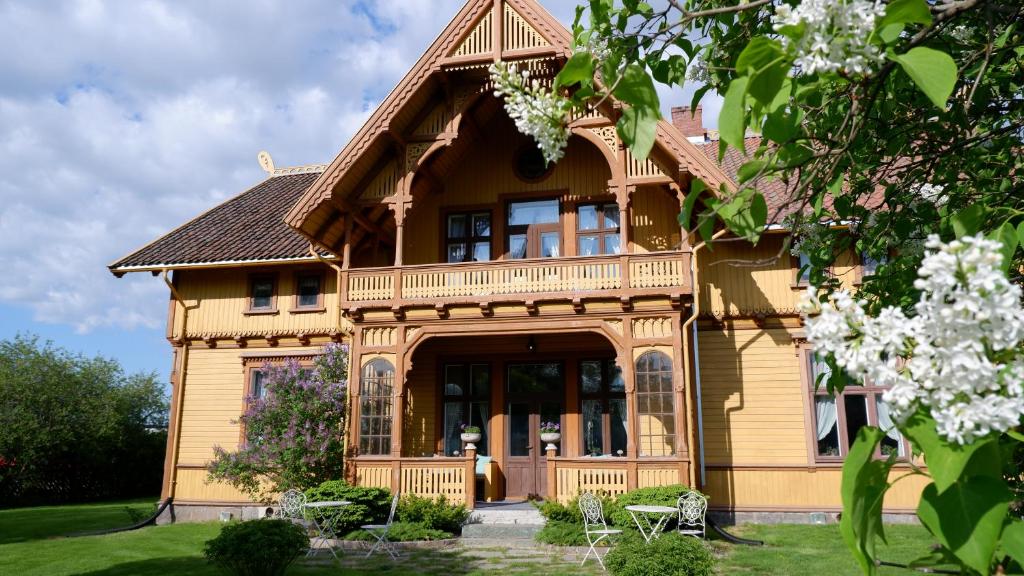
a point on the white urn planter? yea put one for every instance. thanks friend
(470, 438)
(551, 438)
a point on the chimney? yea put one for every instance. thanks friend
(691, 125)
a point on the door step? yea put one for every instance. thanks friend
(514, 522)
(500, 532)
(504, 515)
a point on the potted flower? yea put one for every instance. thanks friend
(470, 435)
(551, 433)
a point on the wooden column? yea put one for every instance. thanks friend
(571, 434)
(682, 414)
(355, 376)
(346, 251)
(552, 475)
(398, 407)
(399, 232)
(470, 476)
(499, 420)
(633, 428)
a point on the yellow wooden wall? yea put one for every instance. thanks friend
(214, 388)
(752, 397)
(653, 220)
(798, 489)
(220, 297)
(418, 436)
(730, 285)
(193, 487)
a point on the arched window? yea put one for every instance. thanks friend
(655, 401)
(376, 388)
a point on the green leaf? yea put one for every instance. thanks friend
(947, 462)
(696, 187)
(933, 71)
(637, 89)
(638, 127)
(1007, 235)
(890, 33)
(731, 120)
(780, 126)
(579, 69)
(967, 518)
(1020, 233)
(865, 481)
(967, 222)
(906, 12)
(765, 64)
(749, 170)
(1013, 540)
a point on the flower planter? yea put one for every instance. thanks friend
(551, 438)
(471, 438)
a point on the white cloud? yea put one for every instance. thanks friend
(121, 120)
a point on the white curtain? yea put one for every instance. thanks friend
(818, 368)
(826, 415)
(885, 421)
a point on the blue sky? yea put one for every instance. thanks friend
(121, 120)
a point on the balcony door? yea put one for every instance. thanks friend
(535, 394)
(534, 229)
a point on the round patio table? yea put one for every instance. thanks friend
(661, 514)
(324, 523)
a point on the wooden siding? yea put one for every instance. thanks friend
(480, 40)
(573, 481)
(739, 289)
(799, 489)
(519, 34)
(214, 389)
(220, 298)
(653, 220)
(752, 397)
(418, 435)
(192, 486)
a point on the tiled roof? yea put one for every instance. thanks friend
(774, 191)
(247, 228)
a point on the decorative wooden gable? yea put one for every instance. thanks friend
(518, 34)
(480, 39)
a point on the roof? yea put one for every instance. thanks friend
(246, 229)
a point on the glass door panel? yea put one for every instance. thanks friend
(519, 429)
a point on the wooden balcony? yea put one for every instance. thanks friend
(619, 276)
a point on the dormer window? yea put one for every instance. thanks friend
(308, 291)
(262, 294)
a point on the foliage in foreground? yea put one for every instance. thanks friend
(369, 505)
(433, 514)
(668, 555)
(257, 548)
(76, 428)
(562, 533)
(402, 532)
(295, 434)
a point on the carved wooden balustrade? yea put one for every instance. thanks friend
(623, 275)
(570, 477)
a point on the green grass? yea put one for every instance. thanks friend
(30, 545)
(25, 524)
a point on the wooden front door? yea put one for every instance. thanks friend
(535, 394)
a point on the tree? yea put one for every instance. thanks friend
(76, 428)
(294, 436)
(900, 120)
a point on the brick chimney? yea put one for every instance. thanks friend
(691, 125)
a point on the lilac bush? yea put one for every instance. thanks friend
(293, 436)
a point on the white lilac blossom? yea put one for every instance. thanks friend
(930, 192)
(536, 110)
(835, 35)
(959, 356)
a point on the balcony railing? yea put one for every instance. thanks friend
(626, 274)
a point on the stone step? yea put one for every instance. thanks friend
(505, 516)
(500, 532)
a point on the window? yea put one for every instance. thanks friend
(603, 408)
(530, 164)
(838, 419)
(308, 291)
(467, 392)
(257, 390)
(534, 229)
(803, 273)
(655, 404)
(262, 294)
(597, 229)
(468, 237)
(376, 387)
(869, 265)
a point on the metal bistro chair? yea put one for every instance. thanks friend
(380, 532)
(594, 525)
(692, 508)
(292, 506)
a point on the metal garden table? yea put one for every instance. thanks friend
(324, 523)
(653, 530)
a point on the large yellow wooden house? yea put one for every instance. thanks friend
(477, 285)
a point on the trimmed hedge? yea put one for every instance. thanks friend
(369, 505)
(668, 555)
(615, 511)
(432, 514)
(257, 548)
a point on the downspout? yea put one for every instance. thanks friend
(691, 323)
(179, 385)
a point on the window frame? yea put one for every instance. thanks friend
(321, 291)
(272, 277)
(533, 232)
(605, 397)
(671, 395)
(384, 401)
(466, 400)
(872, 395)
(602, 231)
(469, 241)
(254, 364)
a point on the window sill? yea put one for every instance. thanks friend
(273, 312)
(317, 310)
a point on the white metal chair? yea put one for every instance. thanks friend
(594, 525)
(692, 509)
(292, 506)
(380, 532)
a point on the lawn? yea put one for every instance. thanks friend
(30, 544)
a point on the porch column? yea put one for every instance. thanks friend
(355, 376)
(552, 495)
(398, 409)
(470, 476)
(399, 208)
(633, 427)
(623, 197)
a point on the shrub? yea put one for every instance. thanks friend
(616, 513)
(369, 505)
(433, 514)
(562, 533)
(258, 548)
(554, 511)
(402, 532)
(668, 555)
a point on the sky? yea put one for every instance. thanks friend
(121, 120)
